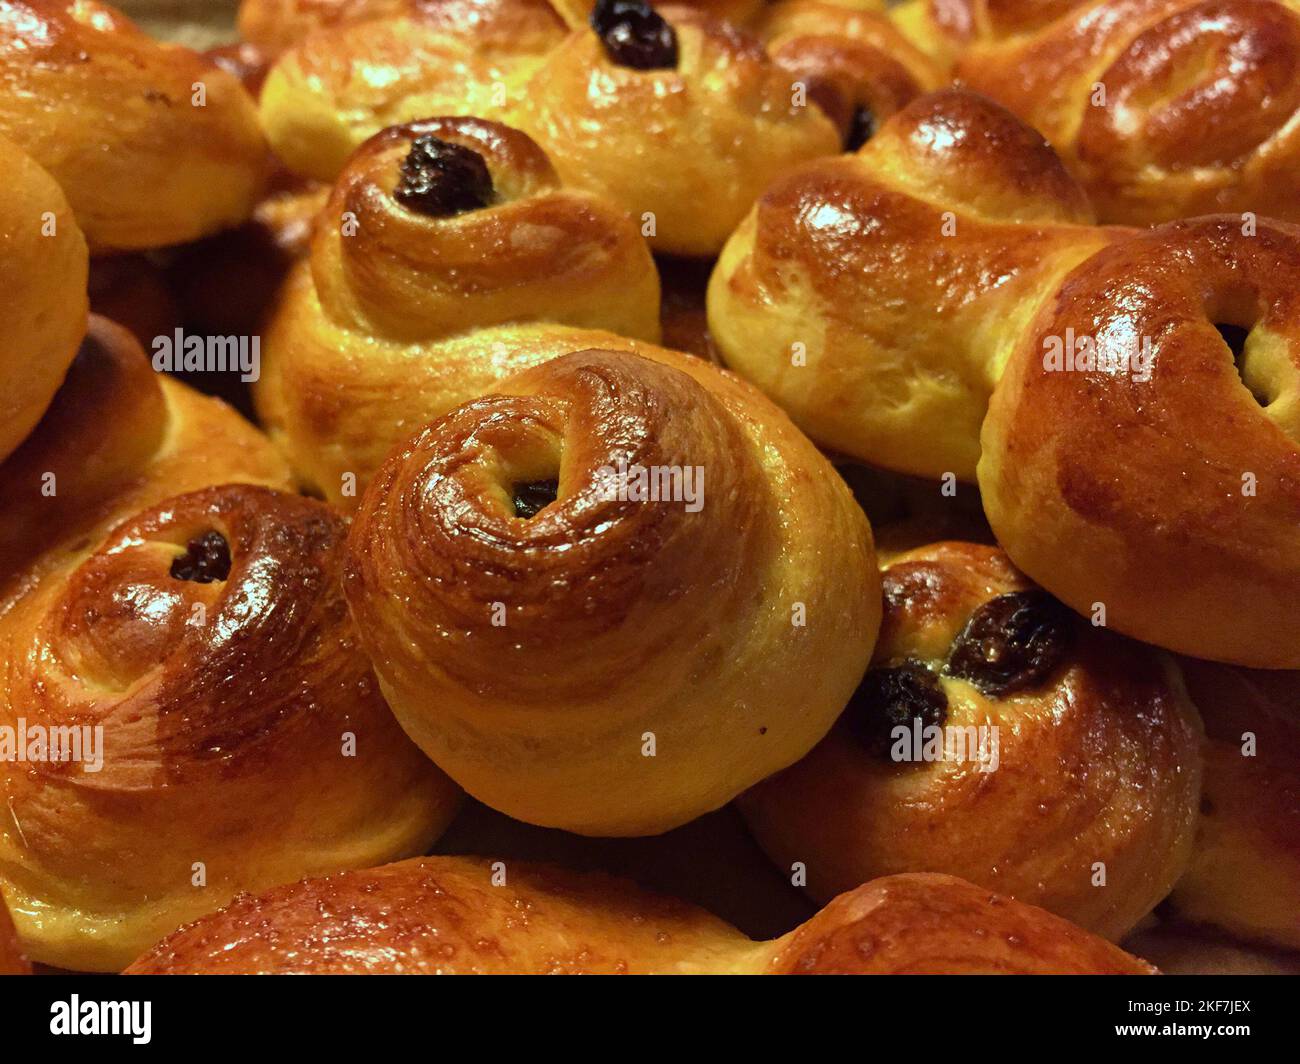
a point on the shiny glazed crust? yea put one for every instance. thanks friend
(223, 705)
(1098, 763)
(875, 296)
(152, 143)
(1171, 497)
(400, 316)
(226, 709)
(718, 643)
(447, 915)
(1163, 108)
(43, 274)
(683, 150)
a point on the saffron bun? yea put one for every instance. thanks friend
(323, 98)
(1164, 109)
(722, 633)
(153, 144)
(1083, 800)
(80, 473)
(43, 304)
(843, 299)
(12, 959)
(415, 297)
(685, 146)
(856, 291)
(854, 62)
(1245, 870)
(444, 915)
(1170, 497)
(688, 119)
(244, 741)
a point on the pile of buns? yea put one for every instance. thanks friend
(730, 405)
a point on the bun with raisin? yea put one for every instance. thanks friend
(660, 515)
(677, 118)
(999, 738)
(449, 255)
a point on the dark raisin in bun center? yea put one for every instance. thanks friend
(634, 34)
(440, 178)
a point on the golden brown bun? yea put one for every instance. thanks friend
(724, 631)
(859, 293)
(1245, 872)
(80, 472)
(244, 739)
(445, 915)
(687, 147)
(401, 315)
(112, 115)
(438, 57)
(1173, 500)
(856, 65)
(221, 725)
(12, 959)
(1162, 108)
(682, 147)
(1096, 757)
(42, 293)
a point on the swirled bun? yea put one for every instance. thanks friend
(684, 143)
(80, 473)
(43, 272)
(322, 100)
(240, 738)
(447, 254)
(1162, 108)
(857, 292)
(1072, 785)
(12, 959)
(1245, 870)
(1168, 494)
(676, 117)
(152, 143)
(854, 63)
(458, 915)
(722, 628)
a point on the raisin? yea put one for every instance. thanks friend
(891, 697)
(533, 496)
(440, 179)
(862, 127)
(634, 34)
(1012, 642)
(206, 558)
